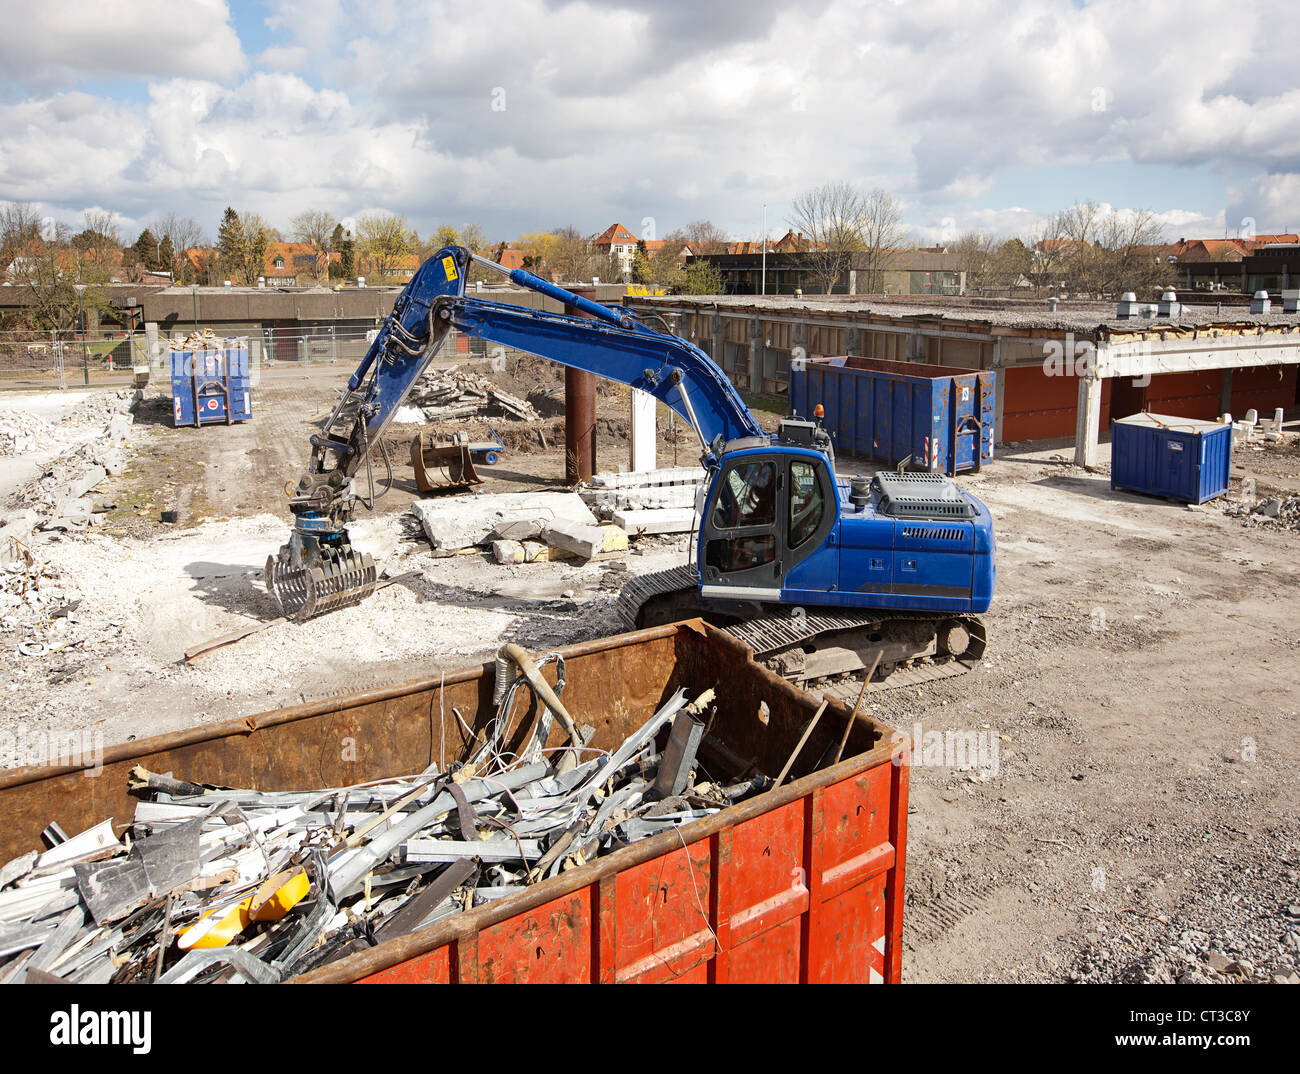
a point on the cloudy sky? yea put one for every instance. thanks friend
(521, 115)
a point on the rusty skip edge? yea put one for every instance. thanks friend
(891, 747)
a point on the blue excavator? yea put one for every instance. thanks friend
(819, 574)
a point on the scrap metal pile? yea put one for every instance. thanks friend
(219, 884)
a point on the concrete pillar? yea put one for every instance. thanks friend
(643, 455)
(755, 365)
(1087, 428)
(152, 350)
(1225, 392)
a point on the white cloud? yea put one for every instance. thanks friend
(619, 111)
(61, 43)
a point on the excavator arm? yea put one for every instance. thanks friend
(318, 570)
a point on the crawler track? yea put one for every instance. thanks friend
(782, 638)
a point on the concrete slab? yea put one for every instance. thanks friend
(642, 522)
(455, 522)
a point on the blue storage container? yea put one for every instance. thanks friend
(941, 416)
(1184, 459)
(211, 385)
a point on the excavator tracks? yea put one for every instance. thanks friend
(792, 631)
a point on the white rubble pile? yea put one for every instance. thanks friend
(101, 408)
(58, 499)
(1272, 512)
(39, 610)
(646, 502)
(22, 433)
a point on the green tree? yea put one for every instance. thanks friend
(144, 251)
(383, 239)
(230, 241)
(701, 278)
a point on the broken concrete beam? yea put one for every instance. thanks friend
(648, 496)
(457, 522)
(87, 481)
(643, 522)
(671, 475)
(72, 514)
(613, 543)
(582, 540)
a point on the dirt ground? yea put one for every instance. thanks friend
(1140, 819)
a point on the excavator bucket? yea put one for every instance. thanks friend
(316, 588)
(442, 466)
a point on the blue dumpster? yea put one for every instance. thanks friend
(211, 384)
(1183, 459)
(940, 416)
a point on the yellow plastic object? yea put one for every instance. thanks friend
(270, 902)
(279, 895)
(212, 931)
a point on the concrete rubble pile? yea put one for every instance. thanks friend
(1272, 512)
(219, 884)
(451, 394)
(22, 433)
(59, 499)
(39, 613)
(647, 502)
(518, 527)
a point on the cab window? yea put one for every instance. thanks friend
(747, 497)
(807, 503)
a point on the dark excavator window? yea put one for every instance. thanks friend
(807, 503)
(741, 553)
(748, 496)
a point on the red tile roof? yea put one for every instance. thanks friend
(615, 233)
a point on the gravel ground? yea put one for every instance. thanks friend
(1139, 820)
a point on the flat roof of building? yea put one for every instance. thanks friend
(1027, 315)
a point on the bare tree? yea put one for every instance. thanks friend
(1092, 250)
(315, 227)
(703, 237)
(383, 239)
(45, 269)
(184, 234)
(20, 226)
(838, 222)
(976, 251)
(882, 234)
(572, 256)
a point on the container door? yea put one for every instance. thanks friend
(1177, 464)
(966, 435)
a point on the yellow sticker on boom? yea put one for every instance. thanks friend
(449, 267)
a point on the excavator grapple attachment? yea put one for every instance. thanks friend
(335, 581)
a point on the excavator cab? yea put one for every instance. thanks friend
(766, 523)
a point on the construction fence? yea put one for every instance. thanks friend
(35, 361)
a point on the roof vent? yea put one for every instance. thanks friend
(1127, 307)
(1260, 303)
(1291, 301)
(919, 495)
(1169, 305)
(1052, 303)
